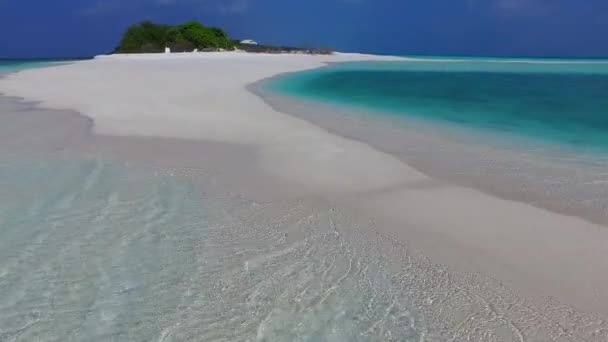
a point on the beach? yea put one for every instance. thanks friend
(470, 263)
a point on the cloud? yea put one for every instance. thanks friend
(221, 6)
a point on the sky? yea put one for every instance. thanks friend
(548, 28)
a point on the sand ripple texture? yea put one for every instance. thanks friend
(98, 251)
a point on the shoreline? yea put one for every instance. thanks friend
(439, 297)
(457, 226)
(398, 136)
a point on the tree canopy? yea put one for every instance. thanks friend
(150, 37)
(147, 37)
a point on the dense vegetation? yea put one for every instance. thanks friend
(148, 37)
(151, 37)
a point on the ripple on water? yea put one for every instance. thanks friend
(95, 251)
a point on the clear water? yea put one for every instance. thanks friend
(93, 250)
(534, 131)
(556, 101)
(12, 65)
(97, 248)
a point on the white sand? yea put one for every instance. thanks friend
(203, 96)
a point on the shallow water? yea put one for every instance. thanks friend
(92, 251)
(100, 248)
(97, 250)
(561, 101)
(13, 65)
(531, 131)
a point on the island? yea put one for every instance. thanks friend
(150, 37)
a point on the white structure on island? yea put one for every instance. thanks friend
(249, 42)
(167, 50)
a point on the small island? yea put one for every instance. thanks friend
(149, 37)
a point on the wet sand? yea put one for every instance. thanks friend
(472, 265)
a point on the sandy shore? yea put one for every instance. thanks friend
(540, 254)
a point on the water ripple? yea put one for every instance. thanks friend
(91, 250)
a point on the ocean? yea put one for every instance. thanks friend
(558, 101)
(13, 65)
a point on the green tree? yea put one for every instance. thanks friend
(150, 37)
(221, 37)
(148, 34)
(219, 33)
(196, 34)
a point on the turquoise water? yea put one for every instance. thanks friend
(12, 65)
(556, 101)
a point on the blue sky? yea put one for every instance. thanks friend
(40, 28)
